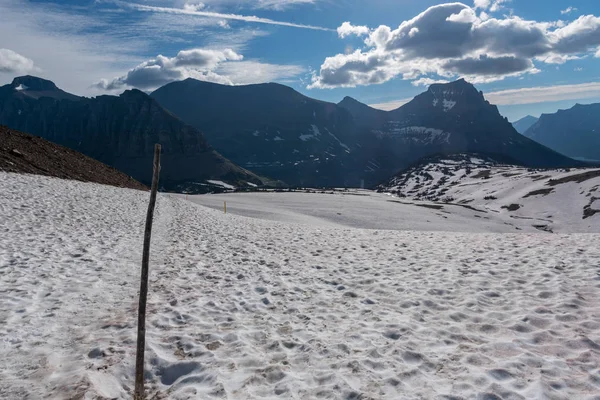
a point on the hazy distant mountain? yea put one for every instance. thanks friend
(524, 123)
(574, 132)
(273, 130)
(118, 130)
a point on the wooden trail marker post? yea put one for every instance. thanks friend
(141, 332)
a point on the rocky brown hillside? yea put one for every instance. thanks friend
(23, 153)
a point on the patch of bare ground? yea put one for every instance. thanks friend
(542, 192)
(575, 178)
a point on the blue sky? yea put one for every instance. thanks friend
(528, 57)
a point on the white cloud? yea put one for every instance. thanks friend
(484, 4)
(193, 6)
(568, 10)
(280, 5)
(13, 62)
(597, 55)
(218, 15)
(497, 5)
(390, 105)
(195, 63)
(451, 40)
(347, 29)
(218, 66)
(275, 5)
(251, 71)
(492, 5)
(544, 93)
(427, 81)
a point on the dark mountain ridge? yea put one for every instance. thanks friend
(120, 131)
(270, 129)
(273, 130)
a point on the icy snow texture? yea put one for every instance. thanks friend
(243, 308)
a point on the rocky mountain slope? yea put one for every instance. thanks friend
(23, 153)
(120, 131)
(545, 197)
(454, 118)
(270, 129)
(524, 123)
(273, 130)
(574, 132)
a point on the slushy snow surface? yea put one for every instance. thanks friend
(246, 308)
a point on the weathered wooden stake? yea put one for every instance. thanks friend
(141, 333)
(225, 207)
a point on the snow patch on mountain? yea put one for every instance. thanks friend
(421, 134)
(338, 140)
(221, 183)
(560, 200)
(449, 105)
(315, 133)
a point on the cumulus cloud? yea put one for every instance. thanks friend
(347, 29)
(451, 40)
(568, 10)
(12, 62)
(195, 63)
(492, 5)
(484, 65)
(218, 66)
(427, 81)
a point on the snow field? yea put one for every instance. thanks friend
(245, 308)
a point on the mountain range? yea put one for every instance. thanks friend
(269, 130)
(275, 131)
(574, 132)
(119, 131)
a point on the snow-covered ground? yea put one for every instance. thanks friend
(248, 308)
(552, 200)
